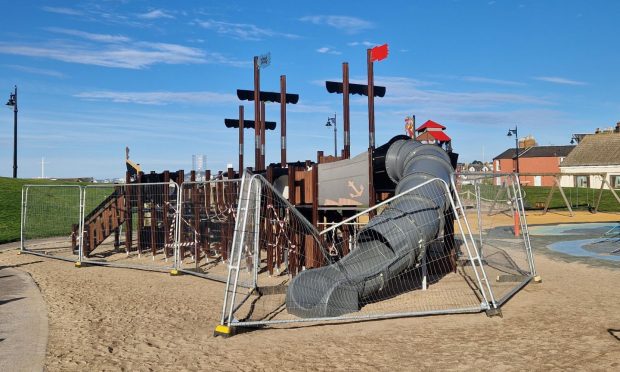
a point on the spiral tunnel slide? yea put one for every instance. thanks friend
(390, 243)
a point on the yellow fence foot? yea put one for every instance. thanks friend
(222, 330)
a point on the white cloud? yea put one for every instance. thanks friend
(159, 98)
(105, 38)
(560, 80)
(59, 10)
(348, 24)
(38, 71)
(406, 91)
(242, 31)
(155, 14)
(478, 79)
(328, 50)
(115, 51)
(364, 43)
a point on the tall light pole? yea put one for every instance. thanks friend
(510, 133)
(13, 102)
(332, 122)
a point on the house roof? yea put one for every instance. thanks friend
(595, 149)
(538, 152)
(437, 136)
(430, 124)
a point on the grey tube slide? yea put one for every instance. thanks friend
(389, 244)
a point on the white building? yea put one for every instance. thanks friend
(596, 154)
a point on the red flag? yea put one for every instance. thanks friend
(379, 53)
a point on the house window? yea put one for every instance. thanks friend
(582, 181)
(497, 166)
(614, 180)
(561, 160)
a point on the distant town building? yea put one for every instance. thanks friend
(597, 153)
(535, 159)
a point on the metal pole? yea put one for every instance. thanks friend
(15, 135)
(335, 137)
(241, 122)
(283, 120)
(517, 147)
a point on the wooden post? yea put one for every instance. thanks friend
(268, 233)
(600, 192)
(557, 181)
(241, 122)
(294, 234)
(371, 185)
(283, 121)
(345, 110)
(262, 135)
(180, 181)
(257, 130)
(371, 101)
(207, 196)
(153, 232)
(196, 219)
(314, 258)
(345, 239)
(140, 202)
(128, 214)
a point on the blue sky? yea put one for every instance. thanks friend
(160, 76)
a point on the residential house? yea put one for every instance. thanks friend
(544, 160)
(596, 157)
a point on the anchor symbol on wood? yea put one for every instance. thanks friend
(356, 193)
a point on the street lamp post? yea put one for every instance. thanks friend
(331, 121)
(510, 133)
(13, 102)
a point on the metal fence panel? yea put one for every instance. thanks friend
(398, 264)
(50, 220)
(131, 225)
(494, 206)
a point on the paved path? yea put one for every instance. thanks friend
(23, 322)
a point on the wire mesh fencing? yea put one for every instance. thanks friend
(494, 206)
(131, 225)
(403, 262)
(207, 221)
(51, 220)
(273, 243)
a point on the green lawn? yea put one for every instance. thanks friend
(579, 198)
(52, 210)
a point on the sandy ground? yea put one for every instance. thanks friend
(119, 319)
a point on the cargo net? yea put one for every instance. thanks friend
(401, 258)
(131, 225)
(208, 215)
(51, 220)
(494, 208)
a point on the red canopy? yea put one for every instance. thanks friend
(438, 136)
(430, 124)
